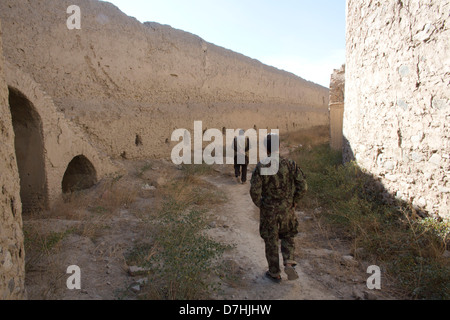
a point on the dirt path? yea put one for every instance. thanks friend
(238, 225)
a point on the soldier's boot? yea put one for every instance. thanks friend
(291, 272)
(274, 273)
(287, 250)
(276, 279)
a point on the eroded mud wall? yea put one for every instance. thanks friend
(12, 255)
(119, 79)
(337, 96)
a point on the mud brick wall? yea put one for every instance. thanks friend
(122, 81)
(337, 93)
(12, 255)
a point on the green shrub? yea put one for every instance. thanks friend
(181, 258)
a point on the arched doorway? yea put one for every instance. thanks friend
(29, 146)
(80, 175)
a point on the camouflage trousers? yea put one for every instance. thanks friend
(278, 226)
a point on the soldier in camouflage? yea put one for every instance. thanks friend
(277, 196)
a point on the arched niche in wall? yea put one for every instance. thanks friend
(80, 175)
(29, 147)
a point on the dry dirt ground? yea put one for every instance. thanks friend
(96, 231)
(326, 268)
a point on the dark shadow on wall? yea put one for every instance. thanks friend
(29, 146)
(347, 152)
(375, 185)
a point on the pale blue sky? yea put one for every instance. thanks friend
(305, 37)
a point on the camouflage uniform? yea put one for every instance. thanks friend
(276, 196)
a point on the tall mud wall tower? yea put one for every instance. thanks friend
(12, 254)
(337, 97)
(129, 85)
(397, 99)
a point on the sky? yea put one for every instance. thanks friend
(304, 37)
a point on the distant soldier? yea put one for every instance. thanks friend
(277, 197)
(241, 146)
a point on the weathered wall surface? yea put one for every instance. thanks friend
(118, 79)
(337, 93)
(12, 255)
(397, 108)
(61, 141)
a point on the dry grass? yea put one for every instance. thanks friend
(307, 137)
(191, 190)
(181, 195)
(86, 214)
(116, 194)
(44, 273)
(178, 252)
(408, 248)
